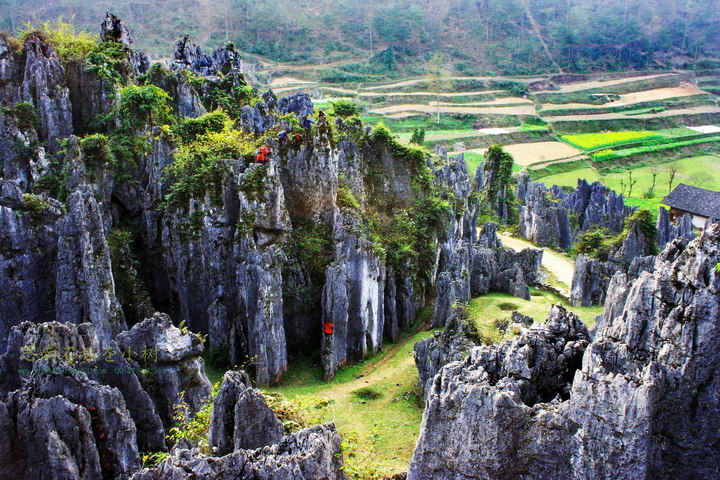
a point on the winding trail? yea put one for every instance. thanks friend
(560, 266)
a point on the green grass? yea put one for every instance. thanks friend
(375, 401)
(570, 178)
(487, 309)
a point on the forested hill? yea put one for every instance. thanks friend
(511, 37)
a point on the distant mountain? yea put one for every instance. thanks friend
(512, 37)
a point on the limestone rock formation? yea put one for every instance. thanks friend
(633, 407)
(169, 363)
(482, 414)
(552, 217)
(474, 270)
(241, 420)
(311, 454)
(683, 228)
(191, 56)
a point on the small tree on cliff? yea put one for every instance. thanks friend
(498, 194)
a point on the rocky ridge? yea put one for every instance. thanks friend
(652, 359)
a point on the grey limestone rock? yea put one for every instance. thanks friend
(311, 454)
(683, 228)
(451, 345)
(188, 55)
(241, 420)
(85, 289)
(483, 415)
(169, 364)
(637, 403)
(300, 104)
(114, 29)
(590, 280)
(60, 422)
(352, 302)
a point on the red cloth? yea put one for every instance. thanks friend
(260, 158)
(328, 328)
(264, 150)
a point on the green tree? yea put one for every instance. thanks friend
(438, 78)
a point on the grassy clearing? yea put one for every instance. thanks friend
(570, 178)
(374, 403)
(485, 311)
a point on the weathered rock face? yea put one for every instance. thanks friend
(474, 270)
(590, 280)
(353, 302)
(591, 276)
(190, 56)
(542, 220)
(58, 423)
(311, 454)
(42, 86)
(451, 345)
(169, 363)
(482, 414)
(241, 420)
(552, 217)
(683, 228)
(647, 382)
(28, 247)
(85, 287)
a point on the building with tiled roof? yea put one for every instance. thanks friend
(702, 204)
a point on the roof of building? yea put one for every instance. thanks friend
(698, 201)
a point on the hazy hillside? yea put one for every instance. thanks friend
(483, 36)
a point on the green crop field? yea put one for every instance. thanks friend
(593, 141)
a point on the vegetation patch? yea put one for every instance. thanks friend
(25, 115)
(367, 393)
(34, 206)
(70, 45)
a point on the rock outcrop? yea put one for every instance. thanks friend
(190, 56)
(169, 365)
(555, 218)
(241, 420)
(474, 270)
(630, 406)
(683, 228)
(311, 454)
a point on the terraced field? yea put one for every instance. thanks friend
(599, 124)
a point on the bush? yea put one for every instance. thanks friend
(367, 393)
(418, 136)
(345, 108)
(591, 242)
(146, 105)
(110, 61)
(25, 115)
(96, 150)
(34, 206)
(69, 44)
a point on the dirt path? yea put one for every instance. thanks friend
(577, 87)
(560, 266)
(536, 29)
(458, 108)
(290, 66)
